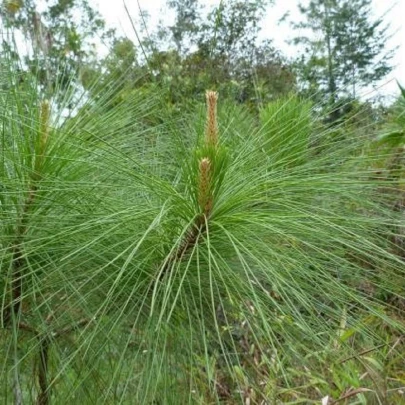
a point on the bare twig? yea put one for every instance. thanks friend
(363, 353)
(350, 394)
(372, 350)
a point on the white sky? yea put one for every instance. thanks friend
(115, 15)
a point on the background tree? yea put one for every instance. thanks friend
(187, 24)
(203, 48)
(219, 48)
(59, 39)
(346, 50)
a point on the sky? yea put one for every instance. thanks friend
(394, 10)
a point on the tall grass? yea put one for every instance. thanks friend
(213, 258)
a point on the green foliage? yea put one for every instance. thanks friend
(287, 124)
